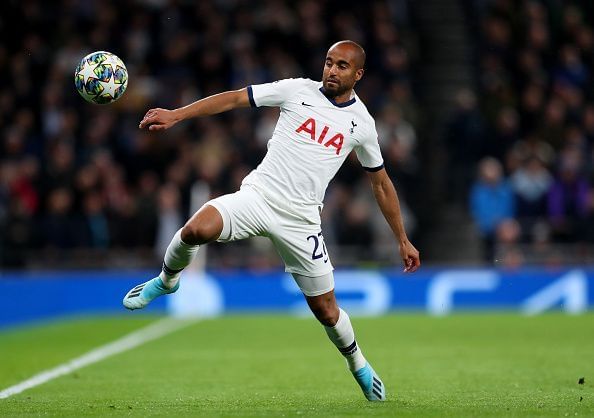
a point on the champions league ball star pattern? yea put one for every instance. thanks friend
(101, 77)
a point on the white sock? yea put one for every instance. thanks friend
(177, 257)
(343, 337)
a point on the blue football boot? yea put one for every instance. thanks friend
(140, 296)
(372, 385)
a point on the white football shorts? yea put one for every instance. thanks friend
(246, 213)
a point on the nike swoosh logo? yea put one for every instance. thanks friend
(305, 104)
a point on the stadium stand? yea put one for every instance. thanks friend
(449, 85)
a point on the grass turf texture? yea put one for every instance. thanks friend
(459, 366)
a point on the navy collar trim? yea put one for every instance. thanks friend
(331, 100)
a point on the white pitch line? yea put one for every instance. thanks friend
(151, 332)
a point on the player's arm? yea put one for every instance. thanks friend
(387, 199)
(159, 119)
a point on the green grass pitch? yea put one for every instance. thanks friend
(467, 365)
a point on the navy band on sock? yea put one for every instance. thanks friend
(347, 351)
(170, 271)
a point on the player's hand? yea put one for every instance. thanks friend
(158, 119)
(410, 257)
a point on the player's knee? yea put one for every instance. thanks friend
(326, 315)
(205, 226)
(189, 234)
(195, 234)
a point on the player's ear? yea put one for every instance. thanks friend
(359, 74)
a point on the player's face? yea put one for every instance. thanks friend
(340, 71)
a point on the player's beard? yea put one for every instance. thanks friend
(335, 89)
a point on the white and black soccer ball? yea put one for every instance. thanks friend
(101, 77)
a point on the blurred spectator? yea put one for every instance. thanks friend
(169, 217)
(354, 230)
(146, 204)
(508, 251)
(552, 124)
(465, 138)
(531, 183)
(506, 133)
(16, 235)
(568, 199)
(95, 219)
(491, 202)
(398, 140)
(571, 69)
(60, 226)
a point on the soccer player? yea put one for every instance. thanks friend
(319, 125)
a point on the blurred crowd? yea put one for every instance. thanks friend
(79, 179)
(81, 182)
(522, 148)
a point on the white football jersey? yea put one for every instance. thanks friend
(311, 140)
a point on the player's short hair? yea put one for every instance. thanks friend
(360, 55)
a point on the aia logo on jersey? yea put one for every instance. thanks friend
(309, 126)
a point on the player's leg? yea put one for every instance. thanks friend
(338, 326)
(205, 226)
(301, 245)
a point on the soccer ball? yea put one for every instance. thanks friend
(101, 77)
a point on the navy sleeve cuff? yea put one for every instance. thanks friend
(251, 96)
(373, 169)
